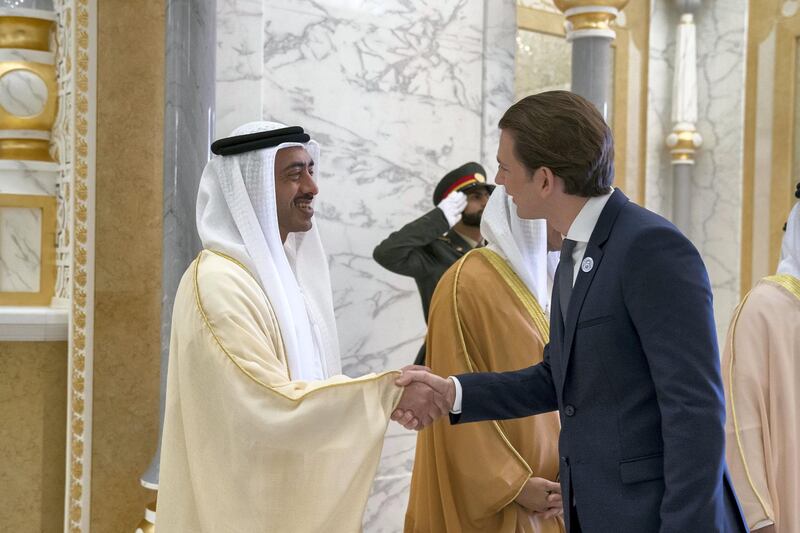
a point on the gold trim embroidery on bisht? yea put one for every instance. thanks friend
(739, 445)
(788, 282)
(488, 254)
(522, 292)
(234, 360)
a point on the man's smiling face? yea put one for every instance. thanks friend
(295, 189)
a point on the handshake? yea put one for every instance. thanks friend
(426, 397)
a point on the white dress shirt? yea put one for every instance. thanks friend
(579, 231)
(582, 227)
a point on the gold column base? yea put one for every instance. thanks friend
(590, 14)
(25, 32)
(25, 149)
(683, 142)
(148, 523)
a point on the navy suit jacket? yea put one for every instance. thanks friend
(635, 375)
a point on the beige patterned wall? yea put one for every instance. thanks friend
(33, 398)
(130, 104)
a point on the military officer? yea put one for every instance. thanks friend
(426, 247)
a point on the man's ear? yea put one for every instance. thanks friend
(548, 181)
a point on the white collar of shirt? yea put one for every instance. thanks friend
(582, 228)
(583, 225)
(580, 231)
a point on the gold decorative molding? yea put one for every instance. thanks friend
(634, 34)
(25, 149)
(590, 15)
(77, 60)
(47, 256)
(27, 33)
(771, 48)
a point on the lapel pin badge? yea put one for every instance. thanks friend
(587, 264)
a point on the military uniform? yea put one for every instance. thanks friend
(425, 248)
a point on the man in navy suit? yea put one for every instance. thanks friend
(632, 365)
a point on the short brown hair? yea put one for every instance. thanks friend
(564, 132)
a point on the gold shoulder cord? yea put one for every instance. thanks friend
(520, 290)
(739, 445)
(234, 359)
(530, 304)
(790, 283)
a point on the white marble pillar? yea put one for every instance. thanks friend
(684, 139)
(716, 182)
(188, 132)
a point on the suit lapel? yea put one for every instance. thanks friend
(594, 250)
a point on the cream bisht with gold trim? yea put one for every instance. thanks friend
(259, 434)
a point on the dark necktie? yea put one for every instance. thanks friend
(566, 271)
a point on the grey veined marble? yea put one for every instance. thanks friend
(716, 183)
(27, 4)
(20, 249)
(188, 131)
(22, 93)
(397, 93)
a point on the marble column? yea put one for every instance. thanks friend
(499, 46)
(684, 139)
(716, 191)
(28, 173)
(589, 30)
(188, 131)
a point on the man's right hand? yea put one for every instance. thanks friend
(426, 397)
(452, 207)
(541, 496)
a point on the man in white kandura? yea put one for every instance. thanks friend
(761, 371)
(261, 433)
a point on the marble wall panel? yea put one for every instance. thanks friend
(20, 249)
(499, 48)
(188, 133)
(717, 180)
(239, 63)
(28, 177)
(27, 4)
(658, 189)
(397, 94)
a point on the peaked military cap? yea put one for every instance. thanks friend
(462, 179)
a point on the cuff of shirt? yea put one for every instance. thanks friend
(456, 410)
